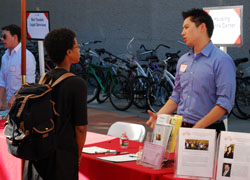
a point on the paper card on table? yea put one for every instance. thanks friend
(153, 155)
(96, 150)
(233, 156)
(196, 153)
(4, 114)
(119, 158)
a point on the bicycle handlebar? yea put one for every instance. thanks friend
(160, 45)
(91, 42)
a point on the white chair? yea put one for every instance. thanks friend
(134, 132)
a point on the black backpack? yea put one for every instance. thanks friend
(29, 131)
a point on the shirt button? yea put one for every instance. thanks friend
(191, 72)
(188, 96)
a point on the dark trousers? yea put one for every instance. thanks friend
(218, 126)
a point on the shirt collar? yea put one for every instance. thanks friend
(205, 51)
(15, 49)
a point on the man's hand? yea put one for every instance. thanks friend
(152, 119)
(11, 101)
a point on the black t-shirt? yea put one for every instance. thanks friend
(70, 97)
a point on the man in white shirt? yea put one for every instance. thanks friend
(10, 74)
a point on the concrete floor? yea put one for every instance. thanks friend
(101, 116)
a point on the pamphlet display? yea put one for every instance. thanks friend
(162, 140)
(233, 156)
(196, 153)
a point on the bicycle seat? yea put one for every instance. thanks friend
(131, 66)
(172, 55)
(100, 51)
(110, 60)
(152, 58)
(240, 60)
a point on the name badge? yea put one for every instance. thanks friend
(12, 68)
(183, 67)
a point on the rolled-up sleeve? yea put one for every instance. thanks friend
(175, 96)
(2, 81)
(225, 84)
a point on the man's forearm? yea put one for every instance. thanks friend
(216, 113)
(169, 108)
(81, 132)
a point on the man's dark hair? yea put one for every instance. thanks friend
(199, 16)
(14, 30)
(57, 42)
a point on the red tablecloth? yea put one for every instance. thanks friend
(10, 167)
(95, 169)
(90, 168)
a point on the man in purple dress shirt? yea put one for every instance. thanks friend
(205, 80)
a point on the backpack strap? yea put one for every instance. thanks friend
(61, 78)
(42, 79)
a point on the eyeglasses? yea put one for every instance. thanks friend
(3, 36)
(78, 46)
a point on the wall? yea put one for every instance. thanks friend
(115, 22)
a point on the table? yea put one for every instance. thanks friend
(95, 169)
(90, 168)
(10, 166)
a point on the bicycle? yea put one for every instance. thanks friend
(159, 92)
(242, 96)
(117, 89)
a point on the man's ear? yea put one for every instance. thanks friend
(203, 28)
(69, 52)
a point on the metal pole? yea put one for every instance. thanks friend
(41, 57)
(23, 63)
(23, 41)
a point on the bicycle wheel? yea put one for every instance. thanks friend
(156, 75)
(93, 87)
(102, 96)
(121, 94)
(242, 101)
(140, 85)
(157, 95)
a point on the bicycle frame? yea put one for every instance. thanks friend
(110, 76)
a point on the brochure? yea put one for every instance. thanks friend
(196, 153)
(233, 156)
(175, 121)
(162, 130)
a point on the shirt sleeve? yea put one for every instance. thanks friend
(30, 67)
(225, 80)
(2, 82)
(175, 96)
(79, 98)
